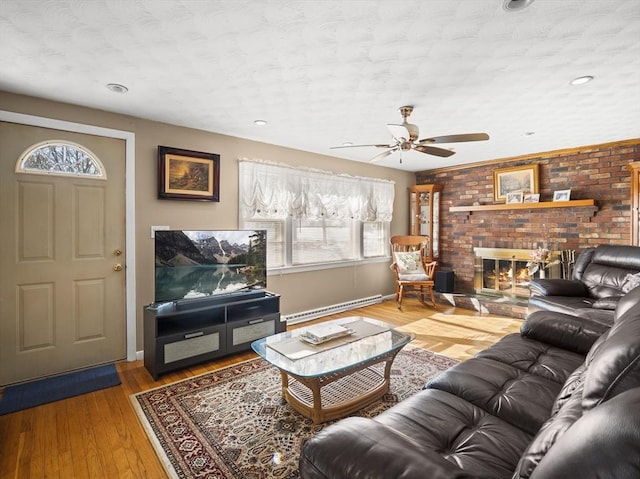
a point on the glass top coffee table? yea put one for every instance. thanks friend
(335, 378)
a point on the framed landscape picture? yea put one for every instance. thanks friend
(513, 179)
(188, 175)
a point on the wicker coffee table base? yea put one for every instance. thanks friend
(334, 396)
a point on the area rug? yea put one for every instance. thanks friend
(233, 423)
(42, 391)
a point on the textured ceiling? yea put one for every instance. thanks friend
(323, 72)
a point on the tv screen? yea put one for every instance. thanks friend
(195, 264)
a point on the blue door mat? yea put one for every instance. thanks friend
(43, 391)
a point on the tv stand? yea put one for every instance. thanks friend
(178, 334)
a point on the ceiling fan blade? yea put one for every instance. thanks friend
(359, 146)
(382, 155)
(434, 150)
(399, 132)
(456, 138)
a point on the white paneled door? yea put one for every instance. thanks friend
(62, 259)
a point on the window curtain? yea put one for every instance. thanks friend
(274, 191)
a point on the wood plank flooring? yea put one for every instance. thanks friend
(98, 435)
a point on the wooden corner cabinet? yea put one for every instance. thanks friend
(181, 333)
(424, 216)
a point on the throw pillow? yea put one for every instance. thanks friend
(409, 262)
(630, 281)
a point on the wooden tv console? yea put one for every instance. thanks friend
(181, 333)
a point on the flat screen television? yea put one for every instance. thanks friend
(196, 264)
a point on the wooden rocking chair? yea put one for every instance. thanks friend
(413, 274)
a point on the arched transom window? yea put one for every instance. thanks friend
(59, 157)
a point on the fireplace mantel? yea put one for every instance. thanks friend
(523, 206)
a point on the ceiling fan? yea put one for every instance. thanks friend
(405, 136)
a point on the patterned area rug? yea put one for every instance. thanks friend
(233, 423)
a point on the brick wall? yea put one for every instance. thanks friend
(595, 172)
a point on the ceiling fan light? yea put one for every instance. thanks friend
(515, 5)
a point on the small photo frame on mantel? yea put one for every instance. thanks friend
(514, 197)
(532, 198)
(188, 175)
(562, 195)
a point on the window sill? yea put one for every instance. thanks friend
(322, 266)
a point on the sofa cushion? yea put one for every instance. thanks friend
(534, 357)
(478, 442)
(502, 390)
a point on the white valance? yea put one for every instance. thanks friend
(277, 191)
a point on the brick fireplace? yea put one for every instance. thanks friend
(503, 271)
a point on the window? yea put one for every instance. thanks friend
(315, 218)
(57, 157)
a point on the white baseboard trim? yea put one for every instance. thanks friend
(331, 309)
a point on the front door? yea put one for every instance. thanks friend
(62, 259)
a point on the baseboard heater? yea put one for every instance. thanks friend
(332, 309)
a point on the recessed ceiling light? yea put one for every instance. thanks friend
(581, 80)
(348, 143)
(117, 88)
(515, 5)
(529, 133)
(260, 122)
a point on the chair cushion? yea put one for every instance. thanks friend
(409, 262)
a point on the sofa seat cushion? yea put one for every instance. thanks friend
(502, 390)
(534, 357)
(462, 433)
(561, 304)
(432, 434)
(572, 305)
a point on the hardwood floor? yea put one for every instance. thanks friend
(98, 435)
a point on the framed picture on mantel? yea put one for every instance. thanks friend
(516, 178)
(188, 175)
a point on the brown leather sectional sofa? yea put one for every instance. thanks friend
(558, 400)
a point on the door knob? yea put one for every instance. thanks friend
(117, 267)
(117, 252)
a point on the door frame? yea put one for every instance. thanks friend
(130, 210)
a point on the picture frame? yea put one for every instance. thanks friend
(516, 178)
(562, 195)
(514, 197)
(188, 175)
(532, 198)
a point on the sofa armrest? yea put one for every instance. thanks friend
(558, 287)
(562, 330)
(359, 448)
(602, 443)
